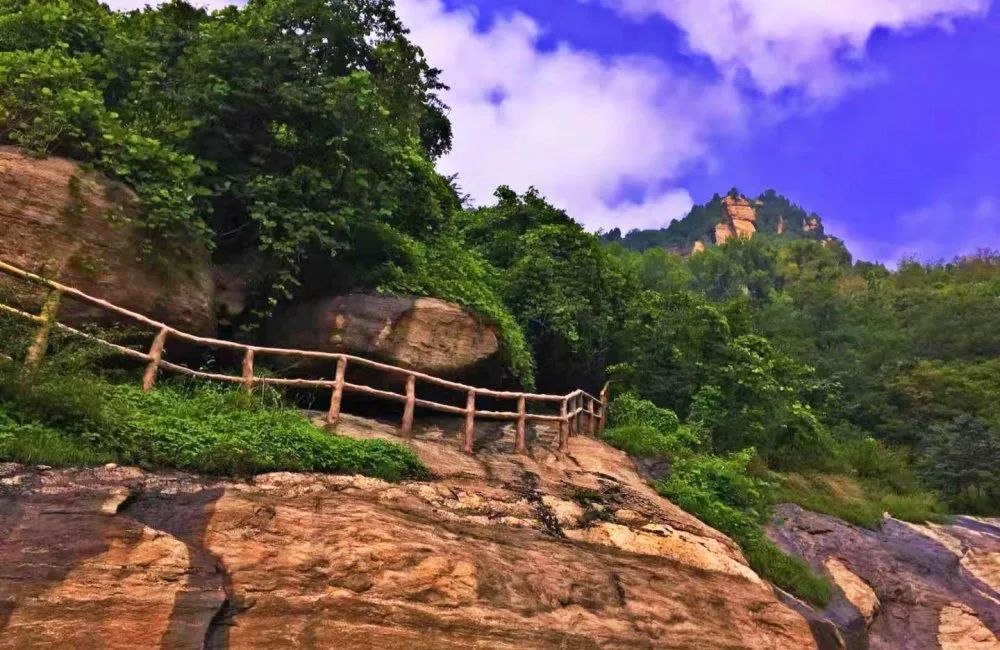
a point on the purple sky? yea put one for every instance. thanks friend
(881, 115)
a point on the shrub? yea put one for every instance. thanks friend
(642, 428)
(33, 443)
(630, 409)
(874, 460)
(723, 479)
(80, 418)
(640, 440)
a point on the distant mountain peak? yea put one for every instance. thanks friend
(726, 217)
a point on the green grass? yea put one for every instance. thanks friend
(859, 502)
(786, 571)
(36, 444)
(638, 440)
(71, 417)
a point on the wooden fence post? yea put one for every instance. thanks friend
(248, 370)
(577, 415)
(411, 396)
(522, 409)
(33, 358)
(155, 355)
(338, 392)
(563, 425)
(591, 413)
(604, 409)
(470, 420)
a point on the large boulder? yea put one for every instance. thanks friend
(424, 334)
(73, 225)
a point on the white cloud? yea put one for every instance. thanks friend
(798, 44)
(578, 127)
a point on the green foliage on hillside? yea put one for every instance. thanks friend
(302, 129)
(567, 292)
(776, 216)
(68, 414)
(721, 490)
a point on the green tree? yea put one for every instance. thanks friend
(760, 398)
(668, 346)
(568, 293)
(302, 129)
(963, 463)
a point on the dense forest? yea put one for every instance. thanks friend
(306, 132)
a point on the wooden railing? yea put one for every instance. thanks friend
(579, 411)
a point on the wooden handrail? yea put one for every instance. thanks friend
(572, 406)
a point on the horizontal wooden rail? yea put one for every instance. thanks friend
(574, 406)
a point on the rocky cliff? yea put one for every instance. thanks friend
(73, 225)
(499, 551)
(903, 587)
(738, 218)
(426, 334)
(496, 551)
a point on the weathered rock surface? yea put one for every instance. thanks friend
(855, 590)
(494, 553)
(69, 224)
(425, 334)
(738, 221)
(909, 586)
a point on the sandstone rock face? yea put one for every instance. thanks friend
(936, 586)
(723, 233)
(855, 590)
(961, 629)
(495, 553)
(69, 224)
(739, 220)
(421, 333)
(739, 209)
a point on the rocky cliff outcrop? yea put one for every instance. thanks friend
(425, 334)
(65, 222)
(548, 551)
(903, 587)
(738, 220)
